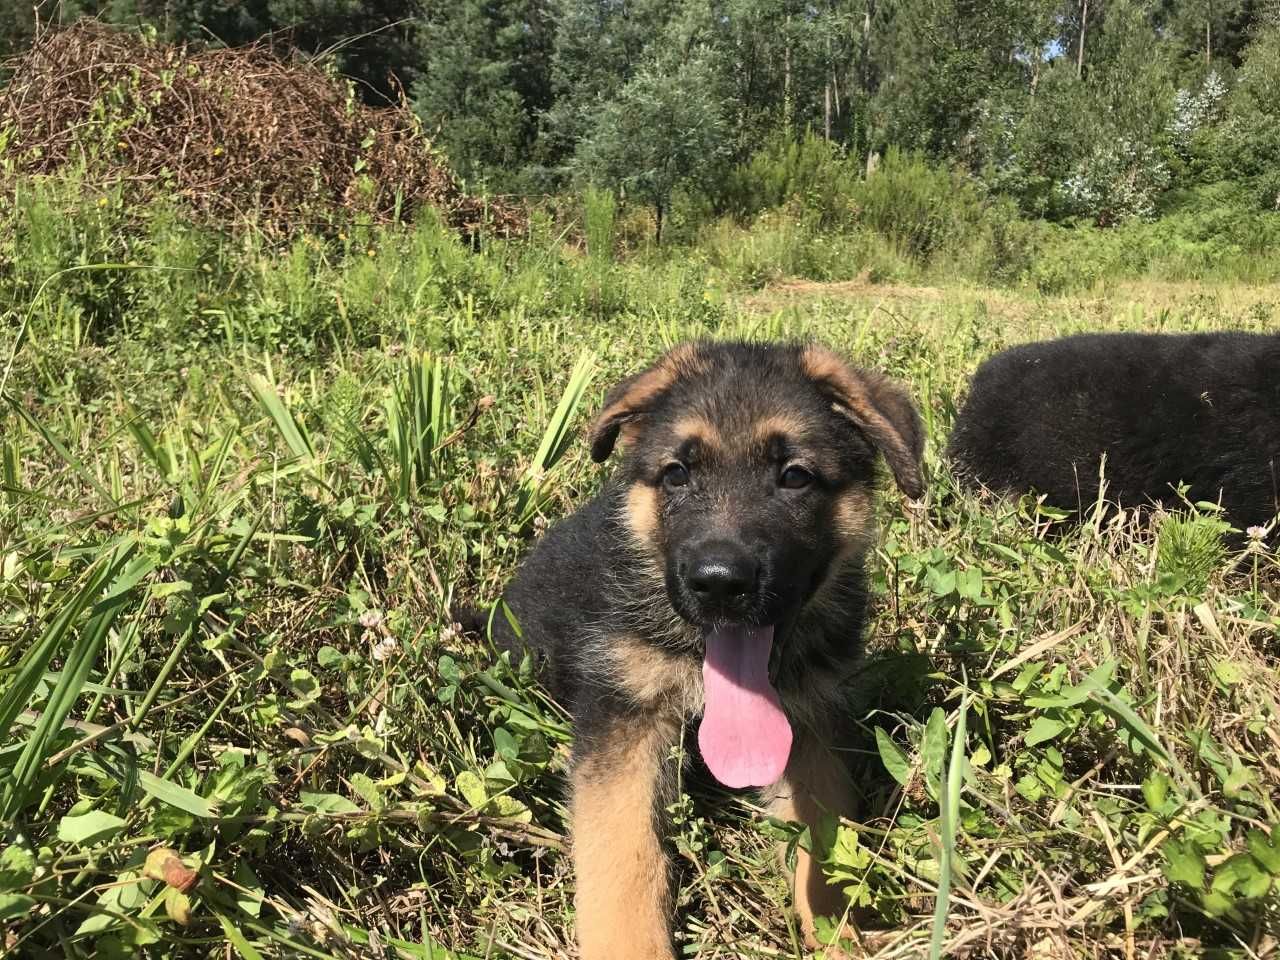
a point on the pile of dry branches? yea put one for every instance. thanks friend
(234, 133)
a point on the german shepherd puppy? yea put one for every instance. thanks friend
(718, 574)
(1201, 409)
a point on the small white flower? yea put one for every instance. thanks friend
(450, 633)
(383, 648)
(1256, 533)
(370, 619)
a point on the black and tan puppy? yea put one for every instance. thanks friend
(1201, 409)
(718, 574)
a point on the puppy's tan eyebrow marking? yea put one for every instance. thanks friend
(789, 428)
(698, 429)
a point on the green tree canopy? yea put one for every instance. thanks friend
(664, 128)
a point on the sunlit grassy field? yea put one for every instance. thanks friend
(242, 486)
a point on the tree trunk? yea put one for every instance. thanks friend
(786, 77)
(658, 209)
(826, 94)
(1084, 22)
(865, 58)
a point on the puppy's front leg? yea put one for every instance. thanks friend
(623, 891)
(815, 782)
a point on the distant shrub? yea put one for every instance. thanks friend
(918, 205)
(599, 209)
(810, 171)
(1116, 182)
(1193, 110)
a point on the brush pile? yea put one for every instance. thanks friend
(235, 134)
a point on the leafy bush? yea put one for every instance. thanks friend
(810, 171)
(1117, 182)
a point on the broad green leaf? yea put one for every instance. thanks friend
(249, 899)
(1155, 790)
(1265, 849)
(1229, 672)
(1242, 875)
(14, 906)
(969, 584)
(170, 587)
(1183, 863)
(125, 896)
(1238, 779)
(17, 866)
(1043, 730)
(505, 805)
(329, 657)
(326, 803)
(942, 583)
(92, 827)
(306, 686)
(176, 795)
(368, 791)
(1216, 903)
(472, 789)
(894, 760)
(505, 745)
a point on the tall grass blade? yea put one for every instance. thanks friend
(71, 679)
(69, 458)
(37, 657)
(417, 420)
(293, 432)
(11, 471)
(146, 441)
(950, 816)
(556, 438)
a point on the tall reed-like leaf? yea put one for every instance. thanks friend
(147, 443)
(11, 471)
(950, 816)
(417, 419)
(556, 438)
(75, 671)
(69, 458)
(291, 429)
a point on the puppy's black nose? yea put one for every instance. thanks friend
(722, 573)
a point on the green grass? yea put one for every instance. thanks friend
(241, 486)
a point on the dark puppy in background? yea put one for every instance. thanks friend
(719, 573)
(1201, 409)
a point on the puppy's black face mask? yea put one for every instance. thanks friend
(746, 517)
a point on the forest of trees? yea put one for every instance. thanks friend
(1071, 108)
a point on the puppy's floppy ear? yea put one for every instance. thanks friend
(635, 396)
(881, 410)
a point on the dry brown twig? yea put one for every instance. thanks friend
(229, 132)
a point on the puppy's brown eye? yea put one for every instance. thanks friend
(795, 478)
(675, 475)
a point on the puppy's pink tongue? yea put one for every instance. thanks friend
(744, 737)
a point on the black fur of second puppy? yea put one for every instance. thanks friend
(719, 573)
(1201, 409)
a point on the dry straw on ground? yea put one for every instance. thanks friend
(233, 133)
